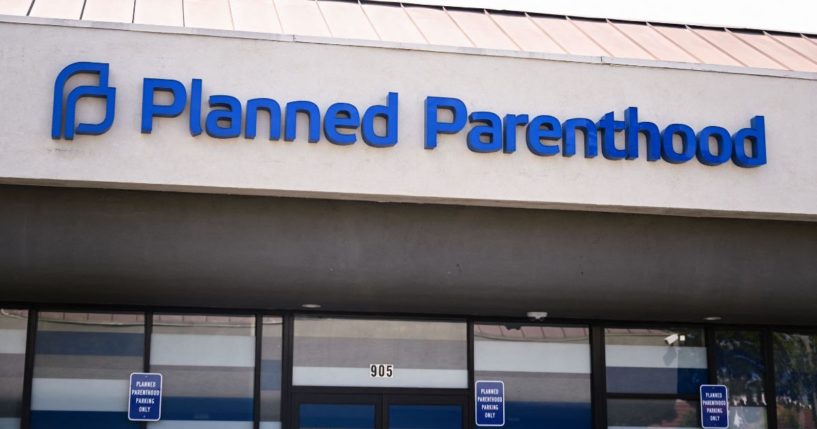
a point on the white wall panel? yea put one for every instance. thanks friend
(359, 377)
(203, 350)
(12, 341)
(172, 159)
(531, 357)
(655, 356)
(64, 394)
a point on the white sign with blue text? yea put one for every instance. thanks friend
(145, 397)
(714, 406)
(490, 403)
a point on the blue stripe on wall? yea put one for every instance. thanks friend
(270, 375)
(90, 343)
(548, 415)
(222, 409)
(80, 420)
(655, 380)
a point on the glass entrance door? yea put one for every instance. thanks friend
(378, 411)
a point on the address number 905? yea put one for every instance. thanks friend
(381, 370)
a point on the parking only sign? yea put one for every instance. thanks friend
(490, 403)
(145, 397)
(714, 406)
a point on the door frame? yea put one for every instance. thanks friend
(380, 397)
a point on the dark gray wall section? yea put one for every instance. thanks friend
(125, 247)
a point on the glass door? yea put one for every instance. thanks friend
(378, 411)
(423, 412)
(337, 411)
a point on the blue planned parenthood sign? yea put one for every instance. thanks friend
(490, 403)
(145, 397)
(714, 406)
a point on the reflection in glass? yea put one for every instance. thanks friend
(338, 352)
(336, 416)
(13, 327)
(81, 369)
(208, 366)
(546, 371)
(425, 417)
(271, 373)
(652, 413)
(741, 368)
(655, 360)
(795, 365)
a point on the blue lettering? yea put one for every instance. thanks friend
(543, 128)
(389, 114)
(151, 110)
(272, 108)
(433, 124)
(756, 136)
(230, 114)
(341, 116)
(491, 130)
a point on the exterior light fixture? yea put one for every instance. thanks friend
(537, 315)
(311, 306)
(713, 318)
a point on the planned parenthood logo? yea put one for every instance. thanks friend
(63, 118)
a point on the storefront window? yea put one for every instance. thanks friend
(652, 413)
(13, 328)
(81, 369)
(741, 369)
(207, 364)
(271, 373)
(795, 367)
(655, 361)
(545, 370)
(644, 367)
(344, 352)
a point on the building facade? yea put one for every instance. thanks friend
(335, 214)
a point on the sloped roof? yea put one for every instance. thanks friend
(460, 27)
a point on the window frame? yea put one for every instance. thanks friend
(599, 393)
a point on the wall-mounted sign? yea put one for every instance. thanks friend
(145, 397)
(381, 370)
(714, 406)
(227, 117)
(489, 399)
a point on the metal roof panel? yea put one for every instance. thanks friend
(481, 30)
(159, 12)
(800, 44)
(347, 20)
(255, 15)
(526, 34)
(392, 23)
(60, 9)
(695, 45)
(654, 42)
(301, 17)
(437, 27)
(611, 39)
(208, 14)
(568, 36)
(108, 10)
(738, 49)
(778, 51)
(15, 7)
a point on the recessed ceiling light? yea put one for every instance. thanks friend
(311, 306)
(713, 318)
